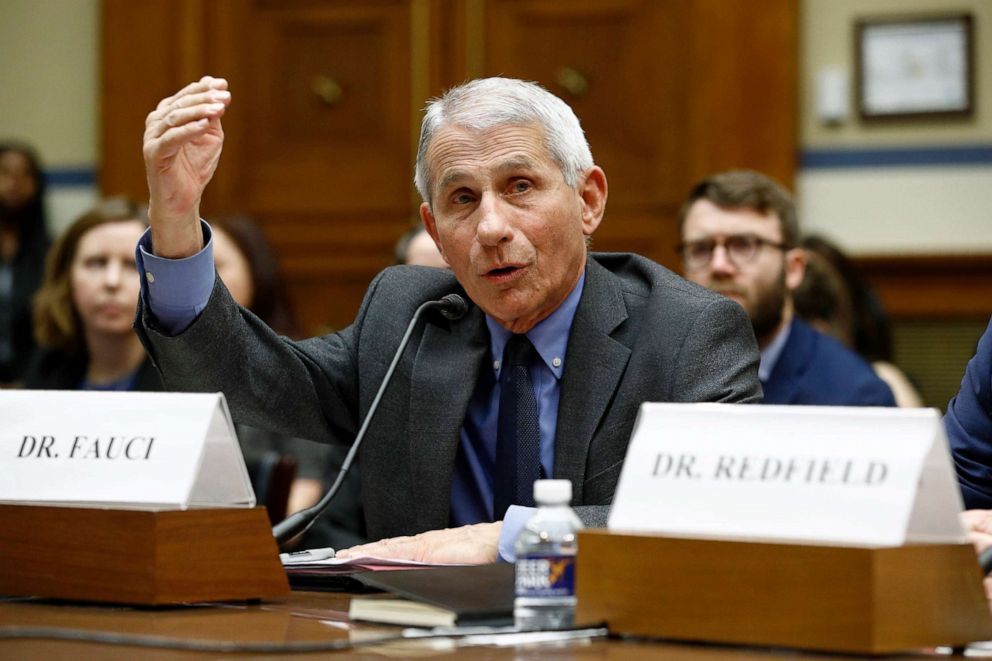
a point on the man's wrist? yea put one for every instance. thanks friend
(175, 291)
(513, 522)
(177, 237)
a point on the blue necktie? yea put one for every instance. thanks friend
(518, 436)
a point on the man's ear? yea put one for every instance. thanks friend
(795, 268)
(593, 190)
(430, 224)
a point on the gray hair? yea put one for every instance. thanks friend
(488, 102)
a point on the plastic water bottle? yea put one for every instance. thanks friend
(545, 569)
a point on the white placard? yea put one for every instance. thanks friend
(861, 476)
(120, 449)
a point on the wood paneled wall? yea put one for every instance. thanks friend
(932, 286)
(322, 132)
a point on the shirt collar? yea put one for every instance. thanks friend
(549, 336)
(771, 353)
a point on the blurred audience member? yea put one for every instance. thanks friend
(739, 238)
(250, 271)
(23, 245)
(85, 307)
(835, 300)
(417, 248)
(872, 336)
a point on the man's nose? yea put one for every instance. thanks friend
(493, 227)
(720, 263)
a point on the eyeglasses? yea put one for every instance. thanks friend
(741, 249)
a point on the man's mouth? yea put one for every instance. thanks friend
(503, 273)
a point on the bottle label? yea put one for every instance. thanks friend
(545, 576)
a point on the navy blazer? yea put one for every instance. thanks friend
(816, 369)
(969, 427)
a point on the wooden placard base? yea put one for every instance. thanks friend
(139, 557)
(833, 598)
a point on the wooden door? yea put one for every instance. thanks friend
(667, 91)
(322, 132)
(319, 141)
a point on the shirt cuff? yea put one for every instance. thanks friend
(175, 290)
(513, 523)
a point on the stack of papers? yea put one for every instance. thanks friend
(352, 565)
(338, 575)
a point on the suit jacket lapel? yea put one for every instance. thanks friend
(594, 363)
(445, 371)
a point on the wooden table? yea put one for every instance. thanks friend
(304, 616)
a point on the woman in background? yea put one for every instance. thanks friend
(834, 299)
(23, 245)
(249, 269)
(86, 305)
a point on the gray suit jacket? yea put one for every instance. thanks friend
(641, 333)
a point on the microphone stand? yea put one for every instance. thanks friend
(452, 307)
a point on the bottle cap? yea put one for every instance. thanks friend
(552, 492)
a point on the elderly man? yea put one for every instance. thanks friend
(739, 238)
(511, 197)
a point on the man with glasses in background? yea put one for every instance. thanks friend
(740, 239)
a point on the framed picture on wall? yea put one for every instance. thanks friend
(915, 67)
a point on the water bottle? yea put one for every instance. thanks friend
(545, 569)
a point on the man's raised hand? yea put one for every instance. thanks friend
(182, 146)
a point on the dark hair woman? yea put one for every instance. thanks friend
(23, 244)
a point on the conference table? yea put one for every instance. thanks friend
(313, 617)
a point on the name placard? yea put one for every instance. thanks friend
(127, 449)
(865, 476)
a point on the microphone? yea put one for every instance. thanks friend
(452, 307)
(985, 561)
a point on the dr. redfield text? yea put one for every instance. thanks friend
(808, 470)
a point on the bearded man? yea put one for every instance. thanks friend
(739, 238)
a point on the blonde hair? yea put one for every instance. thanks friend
(56, 321)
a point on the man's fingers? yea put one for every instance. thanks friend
(397, 548)
(204, 106)
(180, 118)
(188, 101)
(468, 544)
(170, 141)
(203, 85)
(400, 548)
(977, 520)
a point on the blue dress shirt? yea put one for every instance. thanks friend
(177, 290)
(472, 481)
(771, 353)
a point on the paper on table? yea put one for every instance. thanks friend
(361, 563)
